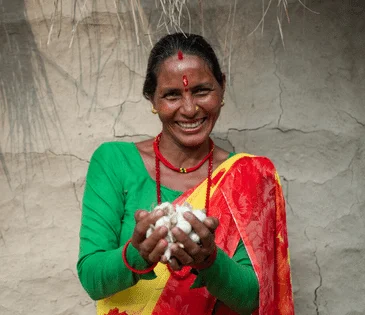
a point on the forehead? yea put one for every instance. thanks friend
(190, 65)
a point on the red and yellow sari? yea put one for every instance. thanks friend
(247, 199)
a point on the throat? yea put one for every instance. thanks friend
(182, 166)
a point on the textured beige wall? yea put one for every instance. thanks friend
(302, 106)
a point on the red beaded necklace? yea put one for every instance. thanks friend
(159, 157)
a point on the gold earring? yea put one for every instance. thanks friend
(153, 110)
(222, 103)
(196, 107)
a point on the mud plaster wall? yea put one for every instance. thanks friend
(303, 107)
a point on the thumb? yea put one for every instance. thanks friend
(211, 223)
(140, 214)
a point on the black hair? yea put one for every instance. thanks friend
(170, 45)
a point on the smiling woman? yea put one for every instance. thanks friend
(240, 265)
(183, 87)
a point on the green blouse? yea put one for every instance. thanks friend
(117, 184)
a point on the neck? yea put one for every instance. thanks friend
(181, 156)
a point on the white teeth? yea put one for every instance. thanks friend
(190, 125)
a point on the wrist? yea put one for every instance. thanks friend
(208, 261)
(134, 261)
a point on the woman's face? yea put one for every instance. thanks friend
(185, 83)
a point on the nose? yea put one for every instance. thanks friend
(188, 106)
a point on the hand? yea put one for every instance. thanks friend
(192, 253)
(152, 248)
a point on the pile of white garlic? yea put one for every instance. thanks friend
(173, 216)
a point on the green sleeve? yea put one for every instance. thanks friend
(232, 281)
(100, 266)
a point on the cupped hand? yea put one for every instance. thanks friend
(153, 247)
(192, 253)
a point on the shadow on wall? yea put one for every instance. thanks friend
(26, 101)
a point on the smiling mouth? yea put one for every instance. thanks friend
(191, 125)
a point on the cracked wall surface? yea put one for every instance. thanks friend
(302, 106)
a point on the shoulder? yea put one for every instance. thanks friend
(109, 147)
(260, 164)
(111, 152)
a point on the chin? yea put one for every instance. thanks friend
(193, 140)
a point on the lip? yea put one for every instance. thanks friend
(192, 130)
(190, 121)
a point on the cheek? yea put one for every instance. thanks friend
(211, 103)
(168, 108)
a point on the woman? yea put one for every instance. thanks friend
(241, 264)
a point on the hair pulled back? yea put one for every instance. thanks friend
(190, 44)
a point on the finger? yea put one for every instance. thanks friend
(211, 223)
(140, 214)
(174, 264)
(181, 255)
(149, 244)
(158, 251)
(144, 220)
(205, 235)
(192, 249)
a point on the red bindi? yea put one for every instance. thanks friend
(180, 55)
(185, 80)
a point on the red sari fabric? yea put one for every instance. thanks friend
(249, 204)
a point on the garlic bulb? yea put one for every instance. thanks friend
(163, 221)
(174, 217)
(200, 214)
(194, 237)
(184, 225)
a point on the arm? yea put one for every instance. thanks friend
(100, 267)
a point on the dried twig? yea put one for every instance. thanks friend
(281, 31)
(118, 17)
(310, 10)
(143, 18)
(74, 26)
(135, 21)
(231, 40)
(172, 14)
(226, 36)
(55, 3)
(262, 18)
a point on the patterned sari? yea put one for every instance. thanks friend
(247, 199)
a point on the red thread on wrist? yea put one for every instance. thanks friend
(140, 272)
(208, 261)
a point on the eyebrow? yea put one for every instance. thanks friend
(202, 85)
(170, 90)
(195, 87)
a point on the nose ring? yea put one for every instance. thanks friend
(196, 107)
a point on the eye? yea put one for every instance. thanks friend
(171, 96)
(202, 91)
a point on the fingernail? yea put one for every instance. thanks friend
(188, 215)
(159, 213)
(162, 230)
(209, 221)
(163, 243)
